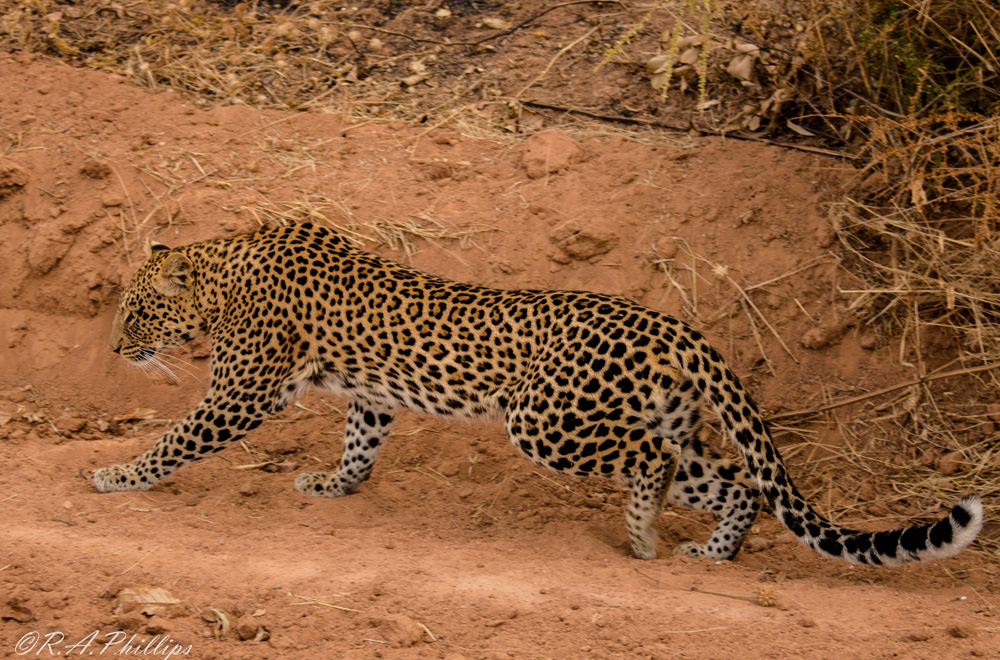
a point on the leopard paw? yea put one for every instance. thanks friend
(693, 550)
(116, 478)
(320, 484)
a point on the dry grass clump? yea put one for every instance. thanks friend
(923, 223)
(251, 54)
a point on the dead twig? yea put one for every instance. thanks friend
(687, 129)
(885, 390)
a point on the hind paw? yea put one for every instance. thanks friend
(693, 550)
(116, 478)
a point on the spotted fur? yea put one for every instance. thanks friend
(584, 383)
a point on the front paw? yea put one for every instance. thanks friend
(320, 484)
(116, 478)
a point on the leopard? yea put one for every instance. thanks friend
(583, 383)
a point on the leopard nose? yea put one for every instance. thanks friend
(116, 349)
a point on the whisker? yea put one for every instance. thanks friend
(180, 364)
(153, 365)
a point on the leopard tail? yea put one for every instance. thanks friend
(746, 428)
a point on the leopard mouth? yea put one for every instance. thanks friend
(139, 354)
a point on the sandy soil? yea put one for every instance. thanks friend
(457, 547)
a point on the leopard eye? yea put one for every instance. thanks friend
(129, 317)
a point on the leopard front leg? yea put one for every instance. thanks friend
(206, 430)
(367, 425)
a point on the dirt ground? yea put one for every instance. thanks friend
(457, 547)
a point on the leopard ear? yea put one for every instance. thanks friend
(153, 247)
(175, 275)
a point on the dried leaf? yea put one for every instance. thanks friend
(689, 56)
(32, 417)
(687, 42)
(415, 79)
(135, 414)
(5, 417)
(149, 600)
(798, 129)
(497, 23)
(707, 104)
(741, 66)
(734, 123)
(917, 192)
(17, 613)
(657, 64)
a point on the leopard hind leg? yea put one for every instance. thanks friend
(720, 486)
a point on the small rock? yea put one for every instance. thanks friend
(826, 235)
(868, 340)
(582, 244)
(437, 170)
(666, 247)
(807, 623)
(246, 627)
(961, 632)
(71, 424)
(158, 626)
(443, 136)
(757, 544)
(823, 336)
(549, 152)
(919, 636)
(95, 169)
(284, 445)
(281, 643)
(401, 631)
(131, 621)
(450, 468)
(993, 412)
(952, 462)
(13, 177)
(47, 247)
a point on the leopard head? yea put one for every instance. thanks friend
(158, 308)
